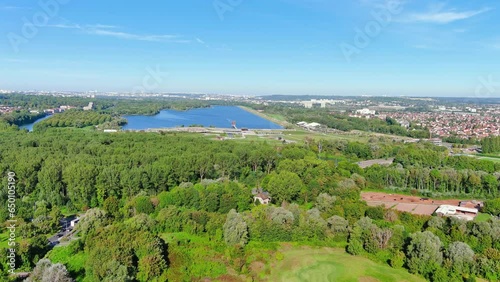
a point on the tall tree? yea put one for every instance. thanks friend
(235, 229)
(424, 253)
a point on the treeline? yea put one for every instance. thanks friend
(41, 102)
(422, 167)
(22, 117)
(344, 122)
(491, 145)
(462, 141)
(113, 106)
(76, 118)
(435, 182)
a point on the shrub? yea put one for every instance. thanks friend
(355, 247)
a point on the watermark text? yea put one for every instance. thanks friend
(11, 222)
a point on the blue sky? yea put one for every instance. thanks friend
(253, 47)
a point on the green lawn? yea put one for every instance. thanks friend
(320, 265)
(277, 117)
(490, 159)
(482, 217)
(300, 135)
(75, 263)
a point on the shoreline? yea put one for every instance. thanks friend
(284, 124)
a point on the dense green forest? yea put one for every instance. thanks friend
(80, 119)
(21, 117)
(41, 101)
(179, 207)
(113, 106)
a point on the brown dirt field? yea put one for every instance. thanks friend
(405, 207)
(412, 204)
(424, 209)
(383, 197)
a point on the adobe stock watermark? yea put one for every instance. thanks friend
(221, 7)
(11, 222)
(48, 10)
(382, 18)
(151, 81)
(487, 86)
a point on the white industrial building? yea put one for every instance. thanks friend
(311, 126)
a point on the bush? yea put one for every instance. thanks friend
(492, 206)
(397, 260)
(375, 213)
(355, 247)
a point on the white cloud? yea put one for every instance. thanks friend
(110, 31)
(444, 17)
(65, 26)
(102, 26)
(140, 37)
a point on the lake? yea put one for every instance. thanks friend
(29, 126)
(217, 116)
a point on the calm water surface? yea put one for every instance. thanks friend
(219, 116)
(29, 126)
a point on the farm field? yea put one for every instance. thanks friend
(324, 265)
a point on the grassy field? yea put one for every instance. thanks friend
(278, 119)
(482, 217)
(333, 265)
(490, 159)
(75, 263)
(300, 135)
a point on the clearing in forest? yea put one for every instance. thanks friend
(325, 265)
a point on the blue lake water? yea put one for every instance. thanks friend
(29, 126)
(218, 116)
